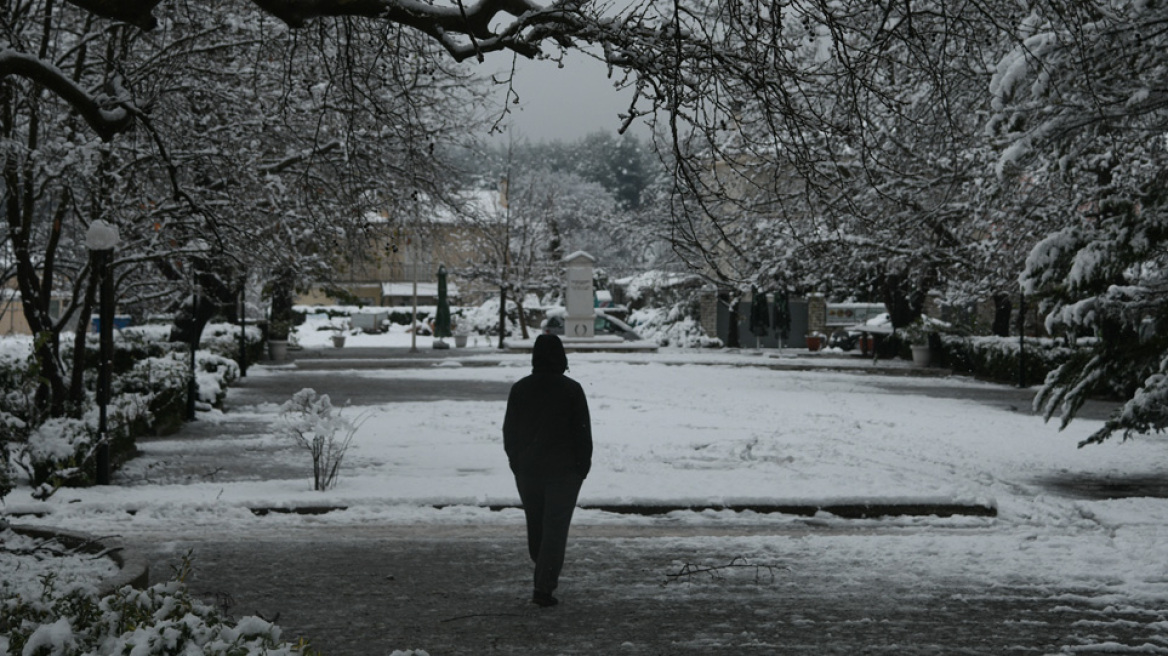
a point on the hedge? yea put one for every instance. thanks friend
(996, 358)
(150, 382)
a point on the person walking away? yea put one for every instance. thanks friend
(547, 434)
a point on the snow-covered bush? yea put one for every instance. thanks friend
(215, 374)
(996, 358)
(13, 430)
(222, 339)
(167, 378)
(165, 619)
(18, 377)
(57, 451)
(149, 396)
(18, 381)
(401, 316)
(311, 421)
(659, 289)
(484, 319)
(162, 385)
(130, 346)
(672, 327)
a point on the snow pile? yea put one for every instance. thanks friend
(656, 287)
(672, 327)
(28, 558)
(14, 349)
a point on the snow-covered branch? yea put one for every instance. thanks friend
(464, 30)
(101, 111)
(135, 12)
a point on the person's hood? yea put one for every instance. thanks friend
(548, 355)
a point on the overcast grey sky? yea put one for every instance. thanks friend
(565, 103)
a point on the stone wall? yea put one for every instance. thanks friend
(816, 314)
(709, 312)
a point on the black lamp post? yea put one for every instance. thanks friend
(193, 347)
(1021, 340)
(101, 239)
(243, 328)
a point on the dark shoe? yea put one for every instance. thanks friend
(544, 599)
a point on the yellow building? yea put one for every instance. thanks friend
(401, 251)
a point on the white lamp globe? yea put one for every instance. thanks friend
(101, 236)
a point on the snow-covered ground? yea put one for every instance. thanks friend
(684, 427)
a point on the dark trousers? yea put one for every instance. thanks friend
(548, 503)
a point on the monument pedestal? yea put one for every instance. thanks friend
(579, 299)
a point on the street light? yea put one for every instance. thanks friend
(243, 327)
(101, 239)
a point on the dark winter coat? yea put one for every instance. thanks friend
(547, 431)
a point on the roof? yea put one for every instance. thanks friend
(578, 255)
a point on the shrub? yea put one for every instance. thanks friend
(215, 374)
(19, 374)
(401, 317)
(130, 346)
(676, 326)
(13, 430)
(222, 339)
(164, 619)
(60, 451)
(56, 454)
(162, 384)
(313, 423)
(149, 396)
(996, 358)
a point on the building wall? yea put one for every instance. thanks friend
(796, 333)
(397, 254)
(12, 320)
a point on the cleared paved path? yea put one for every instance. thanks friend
(464, 591)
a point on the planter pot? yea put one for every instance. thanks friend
(338, 340)
(460, 341)
(278, 350)
(814, 343)
(922, 355)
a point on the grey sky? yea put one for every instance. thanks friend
(565, 103)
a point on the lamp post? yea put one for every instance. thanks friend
(243, 328)
(193, 347)
(414, 332)
(101, 239)
(1021, 340)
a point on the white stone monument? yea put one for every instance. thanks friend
(580, 322)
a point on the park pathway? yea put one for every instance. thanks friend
(463, 591)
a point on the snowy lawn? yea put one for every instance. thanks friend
(664, 434)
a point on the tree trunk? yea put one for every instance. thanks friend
(502, 314)
(522, 318)
(732, 340)
(1003, 309)
(904, 303)
(77, 382)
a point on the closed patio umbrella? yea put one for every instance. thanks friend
(759, 314)
(442, 318)
(782, 316)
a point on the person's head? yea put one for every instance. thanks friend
(548, 355)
